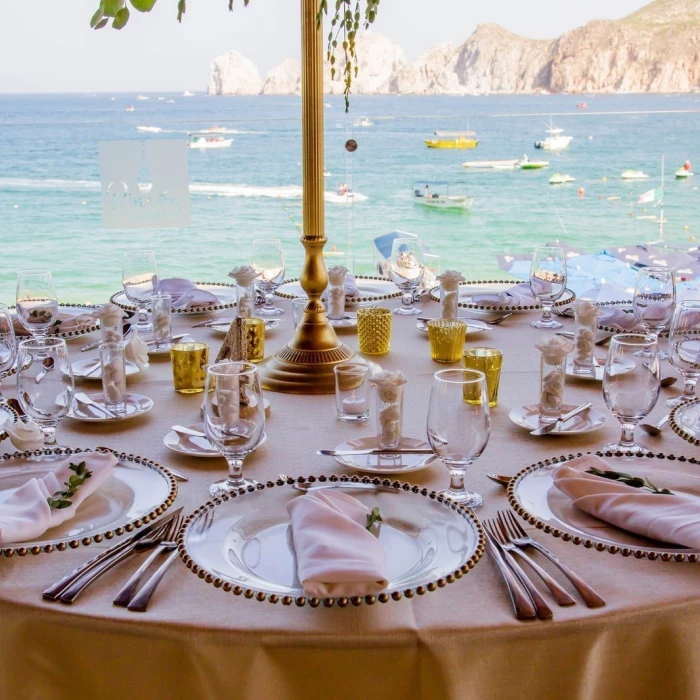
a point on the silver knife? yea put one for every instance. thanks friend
(181, 429)
(212, 322)
(375, 451)
(552, 427)
(82, 397)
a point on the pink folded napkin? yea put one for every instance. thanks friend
(519, 295)
(617, 318)
(658, 311)
(69, 322)
(186, 293)
(666, 518)
(336, 555)
(26, 514)
(351, 289)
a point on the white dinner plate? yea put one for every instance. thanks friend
(473, 327)
(385, 464)
(195, 446)
(136, 405)
(222, 328)
(595, 376)
(528, 417)
(370, 288)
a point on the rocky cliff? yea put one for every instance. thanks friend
(656, 49)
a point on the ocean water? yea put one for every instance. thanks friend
(50, 212)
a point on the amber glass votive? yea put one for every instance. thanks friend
(488, 361)
(374, 330)
(190, 362)
(446, 337)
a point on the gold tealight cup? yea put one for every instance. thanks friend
(190, 362)
(374, 330)
(488, 361)
(446, 337)
(255, 338)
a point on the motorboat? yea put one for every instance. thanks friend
(149, 129)
(453, 139)
(634, 175)
(442, 195)
(490, 164)
(559, 179)
(555, 140)
(130, 108)
(363, 121)
(527, 164)
(202, 142)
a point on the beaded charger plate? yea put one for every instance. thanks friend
(8, 416)
(685, 421)
(611, 327)
(370, 288)
(225, 293)
(535, 498)
(243, 543)
(468, 290)
(65, 311)
(138, 491)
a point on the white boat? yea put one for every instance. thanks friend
(201, 142)
(490, 164)
(363, 121)
(130, 108)
(634, 175)
(326, 173)
(161, 99)
(187, 93)
(442, 195)
(527, 164)
(141, 97)
(149, 129)
(555, 140)
(559, 179)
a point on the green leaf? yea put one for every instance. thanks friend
(102, 23)
(110, 8)
(121, 19)
(181, 9)
(143, 5)
(97, 17)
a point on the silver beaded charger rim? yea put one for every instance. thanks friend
(566, 298)
(362, 298)
(15, 417)
(591, 542)
(300, 601)
(679, 429)
(83, 330)
(211, 308)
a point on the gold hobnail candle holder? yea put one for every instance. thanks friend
(446, 339)
(190, 362)
(255, 338)
(374, 330)
(489, 361)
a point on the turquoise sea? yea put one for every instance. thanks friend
(50, 213)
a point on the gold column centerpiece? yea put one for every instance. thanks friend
(305, 365)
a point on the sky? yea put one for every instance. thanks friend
(48, 46)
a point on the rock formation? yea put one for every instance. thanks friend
(656, 49)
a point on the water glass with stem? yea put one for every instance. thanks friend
(37, 305)
(406, 270)
(45, 385)
(654, 300)
(8, 345)
(268, 262)
(631, 384)
(547, 282)
(459, 425)
(684, 348)
(234, 419)
(140, 281)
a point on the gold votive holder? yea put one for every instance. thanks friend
(446, 337)
(255, 338)
(488, 361)
(190, 362)
(374, 330)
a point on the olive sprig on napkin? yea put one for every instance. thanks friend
(635, 481)
(373, 518)
(60, 498)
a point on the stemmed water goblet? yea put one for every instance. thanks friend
(37, 305)
(406, 270)
(654, 300)
(459, 425)
(268, 262)
(631, 384)
(547, 282)
(140, 282)
(8, 345)
(45, 385)
(684, 346)
(234, 419)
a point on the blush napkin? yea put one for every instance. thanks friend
(336, 555)
(666, 518)
(69, 323)
(351, 289)
(26, 515)
(186, 293)
(519, 295)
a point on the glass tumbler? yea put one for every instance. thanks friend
(446, 337)
(489, 361)
(552, 378)
(190, 362)
(352, 392)
(161, 311)
(113, 377)
(374, 330)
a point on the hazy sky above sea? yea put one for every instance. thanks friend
(48, 46)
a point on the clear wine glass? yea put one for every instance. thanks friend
(8, 345)
(406, 270)
(37, 305)
(459, 425)
(654, 300)
(268, 262)
(684, 346)
(140, 281)
(234, 418)
(45, 386)
(547, 282)
(631, 384)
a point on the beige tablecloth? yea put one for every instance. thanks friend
(196, 641)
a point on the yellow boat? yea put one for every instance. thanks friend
(456, 142)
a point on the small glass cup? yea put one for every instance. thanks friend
(552, 377)
(488, 361)
(584, 340)
(298, 306)
(111, 334)
(161, 310)
(389, 417)
(446, 339)
(113, 377)
(255, 338)
(352, 392)
(190, 362)
(374, 330)
(335, 305)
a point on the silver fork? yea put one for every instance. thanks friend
(501, 534)
(520, 538)
(123, 598)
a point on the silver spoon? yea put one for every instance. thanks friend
(655, 429)
(48, 363)
(668, 381)
(500, 479)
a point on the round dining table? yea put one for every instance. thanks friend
(197, 640)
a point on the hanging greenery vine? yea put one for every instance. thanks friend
(345, 24)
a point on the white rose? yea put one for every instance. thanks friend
(586, 310)
(554, 348)
(450, 280)
(336, 274)
(136, 351)
(110, 314)
(244, 275)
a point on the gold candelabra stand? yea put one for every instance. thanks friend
(305, 364)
